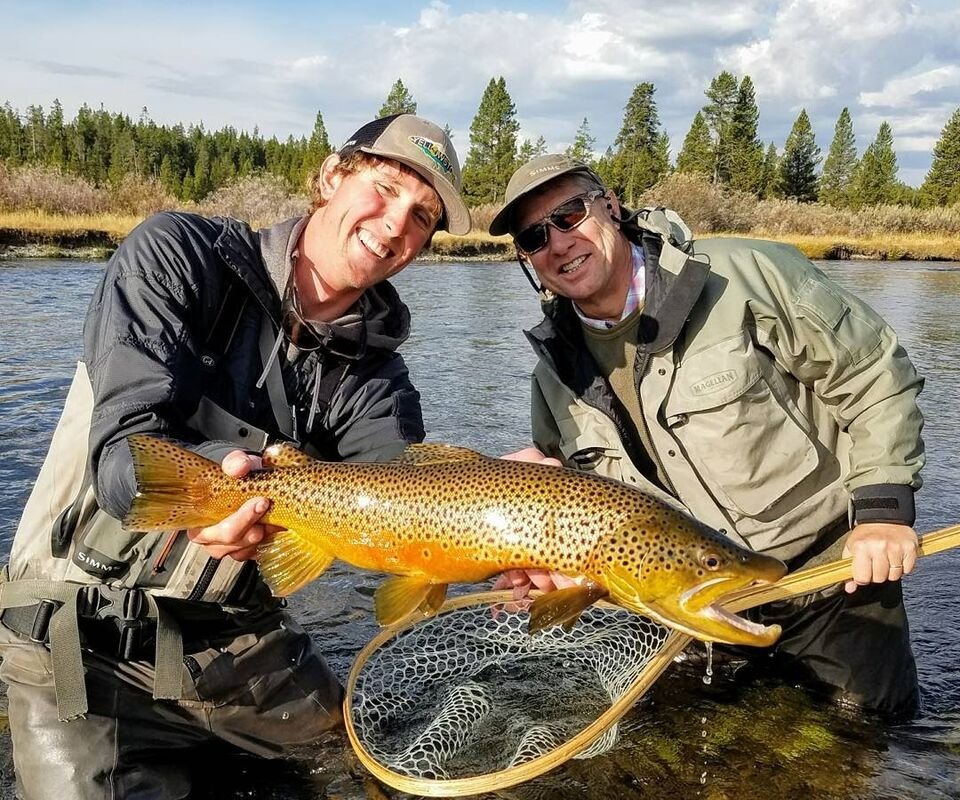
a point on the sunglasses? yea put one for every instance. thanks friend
(565, 217)
(347, 340)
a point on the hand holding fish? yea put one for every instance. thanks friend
(239, 534)
(882, 551)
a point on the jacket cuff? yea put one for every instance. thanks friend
(884, 502)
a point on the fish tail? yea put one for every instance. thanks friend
(173, 487)
(290, 560)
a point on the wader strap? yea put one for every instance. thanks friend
(282, 409)
(64, 638)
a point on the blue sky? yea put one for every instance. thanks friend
(274, 65)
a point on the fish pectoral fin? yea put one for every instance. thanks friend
(422, 454)
(563, 606)
(399, 596)
(624, 588)
(282, 455)
(290, 560)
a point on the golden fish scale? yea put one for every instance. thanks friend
(467, 520)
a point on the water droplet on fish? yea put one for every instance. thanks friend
(703, 778)
(286, 715)
(708, 676)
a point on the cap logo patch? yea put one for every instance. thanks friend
(434, 152)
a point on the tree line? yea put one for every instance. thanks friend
(722, 145)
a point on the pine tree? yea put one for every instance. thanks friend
(399, 101)
(770, 174)
(696, 155)
(876, 179)
(942, 184)
(722, 94)
(493, 146)
(317, 149)
(641, 154)
(798, 166)
(745, 151)
(529, 150)
(582, 148)
(840, 166)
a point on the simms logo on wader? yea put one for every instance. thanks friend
(89, 560)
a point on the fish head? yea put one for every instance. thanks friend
(680, 574)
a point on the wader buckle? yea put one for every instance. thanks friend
(41, 621)
(131, 626)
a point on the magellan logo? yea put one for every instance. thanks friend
(434, 152)
(714, 383)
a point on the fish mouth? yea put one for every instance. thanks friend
(702, 605)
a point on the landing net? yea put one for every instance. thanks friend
(469, 701)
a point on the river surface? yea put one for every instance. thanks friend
(468, 358)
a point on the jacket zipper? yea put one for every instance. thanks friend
(203, 582)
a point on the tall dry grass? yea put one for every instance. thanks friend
(260, 200)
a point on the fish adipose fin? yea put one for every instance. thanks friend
(422, 454)
(172, 486)
(400, 596)
(289, 561)
(282, 454)
(564, 606)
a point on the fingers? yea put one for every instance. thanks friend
(236, 533)
(881, 552)
(533, 456)
(238, 464)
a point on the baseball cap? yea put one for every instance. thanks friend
(534, 173)
(426, 149)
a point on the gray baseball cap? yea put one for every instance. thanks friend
(426, 149)
(534, 173)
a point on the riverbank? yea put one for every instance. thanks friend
(25, 234)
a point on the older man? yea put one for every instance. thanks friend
(223, 338)
(733, 376)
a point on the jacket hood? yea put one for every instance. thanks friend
(379, 319)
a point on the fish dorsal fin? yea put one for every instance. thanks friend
(281, 455)
(422, 454)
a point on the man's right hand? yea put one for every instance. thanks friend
(239, 534)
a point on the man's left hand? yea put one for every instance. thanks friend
(882, 551)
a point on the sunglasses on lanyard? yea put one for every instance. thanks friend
(347, 339)
(565, 217)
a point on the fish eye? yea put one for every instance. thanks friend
(710, 561)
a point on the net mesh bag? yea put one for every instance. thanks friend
(470, 693)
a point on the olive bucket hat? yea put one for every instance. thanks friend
(425, 148)
(534, 173)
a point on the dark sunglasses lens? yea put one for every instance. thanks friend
(569, 215)
(297, 331)
(533, 238)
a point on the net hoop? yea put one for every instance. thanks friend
(520, 773)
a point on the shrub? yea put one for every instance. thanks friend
(141, 197)
(36, 188)
(705, 207)
(260, 200)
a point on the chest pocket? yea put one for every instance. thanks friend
(740, 430)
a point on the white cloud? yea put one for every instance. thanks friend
(904, 90)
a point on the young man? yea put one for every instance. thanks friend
(122, 651)
(732, 376)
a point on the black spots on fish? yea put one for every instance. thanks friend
(426, 553)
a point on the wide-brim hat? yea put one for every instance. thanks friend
(426, 149)
(531, 175)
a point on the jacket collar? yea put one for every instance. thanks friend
(670, 297)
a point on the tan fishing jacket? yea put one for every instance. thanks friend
(775, 402)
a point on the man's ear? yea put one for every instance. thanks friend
(330, 176)
(613, 206)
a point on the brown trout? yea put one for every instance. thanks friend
(442, 514)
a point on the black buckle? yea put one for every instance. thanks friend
(41, 621)
(131, 639)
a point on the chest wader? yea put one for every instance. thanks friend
(70, 559)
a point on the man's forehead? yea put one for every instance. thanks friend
(545, 198)
(402, 174)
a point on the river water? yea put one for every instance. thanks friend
(468, 358)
